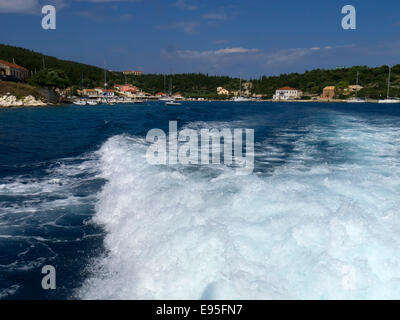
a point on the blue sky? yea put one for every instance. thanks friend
(252, 37)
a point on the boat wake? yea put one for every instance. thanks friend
(323, 224)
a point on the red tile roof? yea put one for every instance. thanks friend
(12, 65)
(287, 88)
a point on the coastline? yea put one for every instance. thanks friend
(29, 101)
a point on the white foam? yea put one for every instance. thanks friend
(311, 229)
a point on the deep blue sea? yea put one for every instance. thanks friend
(318, 218)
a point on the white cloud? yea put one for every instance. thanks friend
(250, 59)
(19, 6)
(220, 52)
(27, 6)
(236, 50)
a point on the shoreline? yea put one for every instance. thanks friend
(61, 104)
(10, 101)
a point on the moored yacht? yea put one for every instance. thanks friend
(170, 101)
(173, 103)
(388, 99)
(240, 98)
(80, 102)
(356, 99)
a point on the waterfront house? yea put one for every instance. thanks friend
(127, 89)
(329, 93)
(161, 95)
(12, 69)
(222, 91)
(99, 91)
(177, 96)
(90, 93)
(287, 93)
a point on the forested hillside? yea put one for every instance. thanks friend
(374, 80)
(189, 84)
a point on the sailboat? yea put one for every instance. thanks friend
(356, 99)
(240, 98)
(171, 101)
(105, 99)
(165, 90)
(389, 100)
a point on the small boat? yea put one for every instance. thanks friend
(356, 99)
(92, 103)
(240, 98)
(388, 99)
(80, 102)
(173, 103)
(170, 100)
(165, 99)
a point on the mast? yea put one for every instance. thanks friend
(388, 88)
(240, 89)
(105, 80)
(105, 77)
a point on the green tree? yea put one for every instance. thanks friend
(52, 78)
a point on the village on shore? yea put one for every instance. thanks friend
(128, 93)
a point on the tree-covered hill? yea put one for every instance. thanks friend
(189, 84)
(374, 80)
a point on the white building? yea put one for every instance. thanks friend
(287, 93)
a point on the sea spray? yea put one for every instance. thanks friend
(311, 229)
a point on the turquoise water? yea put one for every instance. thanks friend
(318, 217)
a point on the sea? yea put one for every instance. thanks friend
(318, 218)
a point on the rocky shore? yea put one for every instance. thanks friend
(28, 101)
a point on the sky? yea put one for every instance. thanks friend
(220, 37)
